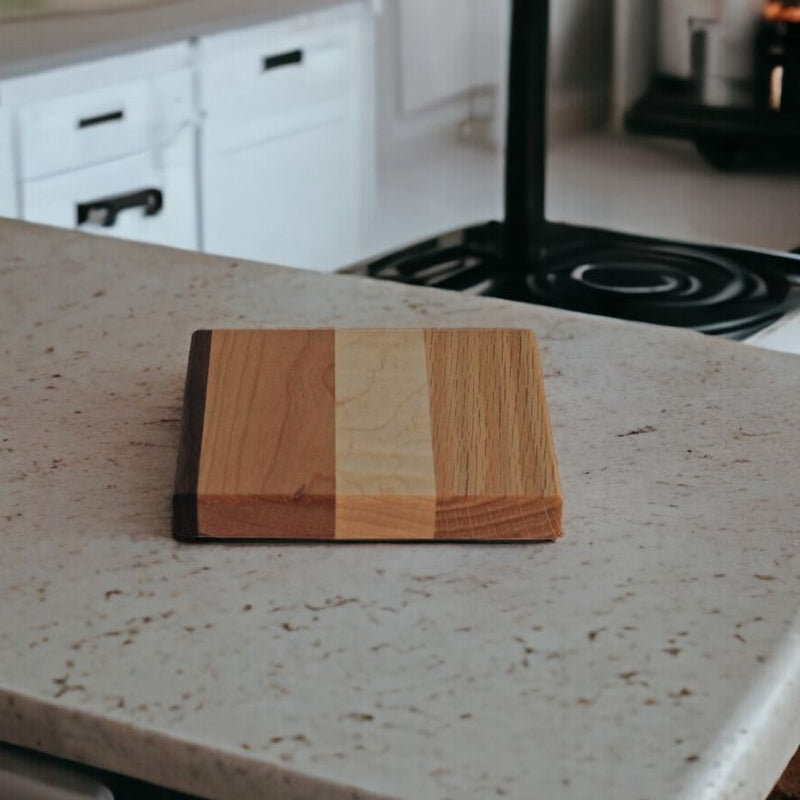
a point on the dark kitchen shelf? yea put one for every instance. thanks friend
(670, 110)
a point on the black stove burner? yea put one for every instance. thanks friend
(715, 290)
(663, 284)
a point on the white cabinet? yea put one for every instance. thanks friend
(281, 115)
(103, 124)
(146, 197)
(109, 147)
(283, 140)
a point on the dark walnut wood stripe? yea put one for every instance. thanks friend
(184, 498)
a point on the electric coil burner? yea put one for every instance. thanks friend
(717, 290)
(712, 290)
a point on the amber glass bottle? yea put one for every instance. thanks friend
(778, 58)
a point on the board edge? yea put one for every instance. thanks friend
(187, 469)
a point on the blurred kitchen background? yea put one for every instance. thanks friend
(317, 134)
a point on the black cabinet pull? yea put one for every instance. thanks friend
(283, 59)
(104, 210)
(112, 116)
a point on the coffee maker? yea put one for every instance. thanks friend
(727, 77)
(712, 44)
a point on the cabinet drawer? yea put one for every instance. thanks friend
(77, 130)
(144, 197)
(279, 72)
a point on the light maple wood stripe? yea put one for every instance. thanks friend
(385, 484)
(268, 450)
(496, 474)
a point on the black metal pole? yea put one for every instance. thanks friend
(526, 137)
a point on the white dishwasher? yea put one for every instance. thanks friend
(109, 147)
(281, 148)
(28, 775)
(25, 775)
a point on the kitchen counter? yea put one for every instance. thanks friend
(44, 42)
(653, 652)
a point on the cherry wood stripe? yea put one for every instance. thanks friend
(385, 485)
(184, 497)
(267, 465)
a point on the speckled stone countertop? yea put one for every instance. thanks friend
(44, 42)
(653, 652)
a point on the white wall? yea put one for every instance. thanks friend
(421, 84)
(396, 120)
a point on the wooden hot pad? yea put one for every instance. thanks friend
(366, 435)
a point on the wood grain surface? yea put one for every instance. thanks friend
(385, 483)
(268, 460)
(493, 450)
(366, 435)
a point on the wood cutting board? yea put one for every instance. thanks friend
(366, 435)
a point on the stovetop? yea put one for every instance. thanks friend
(716, 290)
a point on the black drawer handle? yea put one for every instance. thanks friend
(104, 210)
(283, 59)
(112, 116)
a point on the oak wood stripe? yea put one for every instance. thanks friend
(184, 498)
(492, 436)
(385, 482)
(498, 518)
(268, 458)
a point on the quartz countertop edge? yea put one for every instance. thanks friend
(652, 652)
(180, 763)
